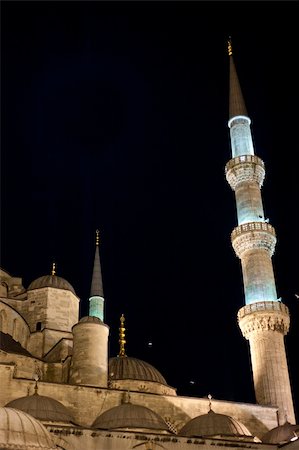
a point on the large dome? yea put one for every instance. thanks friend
(281, 434)
(128, 415)
(42, 408)
(215, 425)
(52, 281)
(19, 430)
(127, 368)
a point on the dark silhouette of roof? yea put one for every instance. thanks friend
(9, 345)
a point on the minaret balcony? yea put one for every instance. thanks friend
(245, 169)
(264, 316)
(253, 236)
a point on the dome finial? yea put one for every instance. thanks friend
(126, 397)
(122, 340)
(53, 269)
(210, 402)
(36, 378)
(229, 46)
(97, 238)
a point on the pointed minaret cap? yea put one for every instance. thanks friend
(236, 101)
(96, 283)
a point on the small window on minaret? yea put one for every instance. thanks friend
(38, 326)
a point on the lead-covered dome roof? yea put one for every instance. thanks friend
(52, 281)
(213, 424)
(128, 415)
(90, 319)
(19, 430)
(127, 368)
(281, 434)
(42, 408)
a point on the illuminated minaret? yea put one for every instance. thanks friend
(96, 299)
(264, 320)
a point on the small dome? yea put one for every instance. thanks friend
(42, 408)
(128, 415)
(213, 424)
(90, 319)
(21, 431)
(125, 367)
(52, 281)
(281, 434)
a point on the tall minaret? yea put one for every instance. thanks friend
(96, 299)
(264, 320)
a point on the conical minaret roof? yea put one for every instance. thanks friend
(96, 282)
(236, 101)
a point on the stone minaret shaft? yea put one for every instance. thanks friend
(96, 299)
(264, 320)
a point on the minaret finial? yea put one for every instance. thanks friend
(229, 46)
(122, 340)
(97, 238)
(53, 268)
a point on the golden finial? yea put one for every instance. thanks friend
(122, 340)
(97, 237)
(53, 268)
(229, 47)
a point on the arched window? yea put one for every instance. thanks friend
(38, 326)
(3, 321)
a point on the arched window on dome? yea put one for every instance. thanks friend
(38, 326)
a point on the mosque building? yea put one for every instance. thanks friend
(60, 389)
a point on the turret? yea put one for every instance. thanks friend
(265, 319)
(89, 364)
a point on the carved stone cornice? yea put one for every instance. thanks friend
(253, 235)
(245, 168)
(259, 317)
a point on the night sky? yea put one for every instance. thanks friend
(114, 116)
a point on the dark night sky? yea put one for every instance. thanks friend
(114, 116)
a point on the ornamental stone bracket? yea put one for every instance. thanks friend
(246, 168)
(253, 235)
(263, 316)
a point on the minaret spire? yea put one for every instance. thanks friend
(96, 299)
(265, 319)
(236, 101)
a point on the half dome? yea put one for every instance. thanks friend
(282, 434)
(127, 368)
(128, 415)
(19, 430)
(42, 408)
(52, 281)
(215, 425)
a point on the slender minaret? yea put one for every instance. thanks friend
(96, 299)
(264, 320)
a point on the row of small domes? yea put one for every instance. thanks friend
(128, 415)
(133, 416)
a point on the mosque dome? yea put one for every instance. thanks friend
(281, 434)
(213, 424)
(52, 281)
(42, 408)
(19, 430)
(127, 368)
(128, 415)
